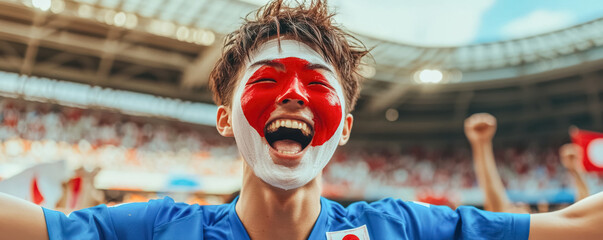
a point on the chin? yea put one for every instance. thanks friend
(284, 157)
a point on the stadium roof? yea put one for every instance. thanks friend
(421, 23)
(390, 54)
(167, 48)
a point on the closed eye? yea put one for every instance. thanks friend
(267, 80)
(321, 83)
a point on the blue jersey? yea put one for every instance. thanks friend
(384, 219)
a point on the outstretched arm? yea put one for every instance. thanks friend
(571, 155)
(582, 220)
(479, 130)
(20, 219)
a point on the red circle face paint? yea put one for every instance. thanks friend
(292, 78)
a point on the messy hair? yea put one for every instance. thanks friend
(308, 22)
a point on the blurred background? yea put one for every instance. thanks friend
(106, 101)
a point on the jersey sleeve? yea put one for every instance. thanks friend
(126, 221)
(427, 221)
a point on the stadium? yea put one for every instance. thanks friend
(108, 102)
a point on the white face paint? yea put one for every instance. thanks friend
(255, 149)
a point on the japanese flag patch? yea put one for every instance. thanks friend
(359, 233)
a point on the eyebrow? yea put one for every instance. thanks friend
(270, 63)
(281, 66)
(318, 66)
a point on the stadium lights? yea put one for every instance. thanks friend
(430, 76)
(85, 11)
(437, 76)
(182, 33)
(131, 21)
(57, 6)
(43, 5)
(367, 71)
(162, 28)
(391, 114)
(108, 17)
(119, 19)
(128, 20)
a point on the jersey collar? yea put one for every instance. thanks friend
(321, 225)
(236, 226)
(318, 231)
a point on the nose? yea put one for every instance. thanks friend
(294, 95)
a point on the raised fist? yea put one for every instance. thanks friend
(480, 127)
(571, 155)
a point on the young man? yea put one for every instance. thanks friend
(285, 85)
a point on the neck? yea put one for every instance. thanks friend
(268, 212)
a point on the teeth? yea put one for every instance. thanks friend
(289, 123)
(305, 129)
(287, 152)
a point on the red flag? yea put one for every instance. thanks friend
(592, 148)
(36, 195)
(76, 189)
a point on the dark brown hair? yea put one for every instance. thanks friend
(310, 23)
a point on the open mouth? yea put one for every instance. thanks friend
(288, 136)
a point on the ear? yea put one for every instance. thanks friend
(224, 122)
(347, 129)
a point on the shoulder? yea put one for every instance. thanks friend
(166, 210)
(416, 220)
(407, 220)
(168, 219)
(169, 211)
(387, 207)
(145, 220)
(183, 221)
(384, 210)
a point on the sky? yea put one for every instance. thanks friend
(515, 18)
(460, 22)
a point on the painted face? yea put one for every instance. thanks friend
(292, 79)
(288, 113)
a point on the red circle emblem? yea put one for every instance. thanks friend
(350, 237)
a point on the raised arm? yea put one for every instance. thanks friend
(20, 219)
(582, 220)
(571, 155)
(479, 130)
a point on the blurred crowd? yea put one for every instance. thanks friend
(38, 132)
(522, 169)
